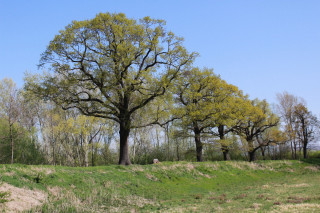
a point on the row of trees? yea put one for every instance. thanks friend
(113, 73)
(35, 131)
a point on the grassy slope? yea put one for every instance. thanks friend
(279, 186)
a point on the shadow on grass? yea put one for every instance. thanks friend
(315, 161)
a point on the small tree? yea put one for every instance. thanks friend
(307, 124)
(286, 108)
(258, 119)
(110, 67)
(9, 108)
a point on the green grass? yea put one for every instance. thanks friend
(4, 197)
(264, 186)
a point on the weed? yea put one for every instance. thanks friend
(4, 197)
(198, 196)
(38, 178)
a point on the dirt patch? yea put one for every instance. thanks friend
(55, 191)
(305, 207)
(151, 177)
(248, 165)
(21, 199)
(297, 185)
(256, 206)
(9, 173)
(46, 171)
(189, 166)
(313, 168)
(139, 201)
(137, 168)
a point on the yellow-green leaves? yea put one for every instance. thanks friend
(204, 97)
(112, 65)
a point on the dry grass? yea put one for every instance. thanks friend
(295, 199)
(312, 168)
(139, 201)
(12, 173)
(187, 187)
(256, 206)
(22, 199)
(242, 165)
(305, 207)
(297, 185)
(151, 177)
(137, 168)
(35, 170)
(55, 191)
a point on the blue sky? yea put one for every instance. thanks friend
(262, 46)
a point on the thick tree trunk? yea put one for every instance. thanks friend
(124, 145)
(226, 155)
(251, 150)
(251, 156)
(177, 149)
(224, 148)
(262, 153)
(304, 150)
(198, 142)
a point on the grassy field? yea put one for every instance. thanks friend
(236, 186)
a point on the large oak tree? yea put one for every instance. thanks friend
(110, 67)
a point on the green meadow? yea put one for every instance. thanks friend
(262, 186)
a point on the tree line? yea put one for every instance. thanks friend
(115, 74)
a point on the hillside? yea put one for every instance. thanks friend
(278, 186)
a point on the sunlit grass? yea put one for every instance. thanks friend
(173, 186)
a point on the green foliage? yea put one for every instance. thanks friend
(205, 98)
(256, 120)
(107, 64)
(26, 148)
(110, 67)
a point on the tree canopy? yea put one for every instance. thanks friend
(110, 67)
(203, 99)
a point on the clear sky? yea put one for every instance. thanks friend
(262, 46)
